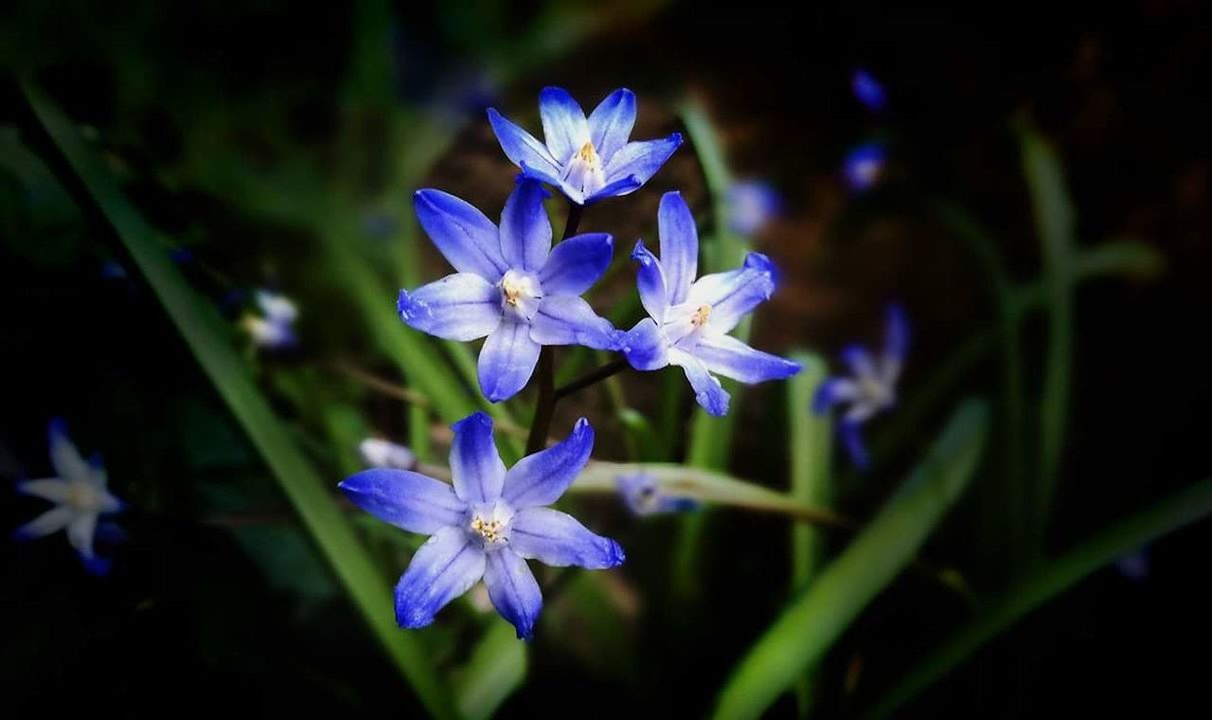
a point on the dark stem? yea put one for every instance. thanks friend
(613, 367)
(548, 397)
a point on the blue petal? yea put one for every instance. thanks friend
(679, 245)
(406, 499)
(476, 468)
(732, 295)
(463, 306)
(525, 227)
(644, 346)
(864, 165)
(707, 390)
(51, 489)
(727, 356)
(65, 458)
(615, 188)
(564, 125)
(468, 240)
(868, 90)
(521, 147)
(830, 393)
(445, 567)
(541, 478)
(611, 122)
(896, 333)
(51, 521)
(513, 590)
(859, 360)
(97, 565)
(568, 320)
(507, 361)
(576, 264)
(641, 159)
(550, 177)
(651, 282)
(853, 443)
(557, 539)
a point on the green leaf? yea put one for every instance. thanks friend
(814, 620)
(208, 339)
(496, 669)
(1178, 510)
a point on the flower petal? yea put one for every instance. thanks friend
(679, 245)
(564, 125)
(832, 392)
(614, 188)
(65, 458)
(445, 567)
(52, 489)
(525, 227)
(545, 176)
(858, 358)
(576, 264)
(641, 159)
(522, 148)
(465, 237)
(541, 478)
(80, 533)
(48, 522)
(707, 389)
(727, 356)
(896, 340)
(406, 499)
(644, 346)
(513, 590)
(611, 121)
(559, 540)
(462, 306)
(650, 279)
(568, 320)
(732, 295)
(507, 361)
(853, 442)
(475, 465)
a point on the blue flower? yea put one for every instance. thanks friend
(589, 159)
(511, 285)
(872, 389)
(80, 497)
(645, 496)
(689, 320)
(751, 204)
(864, 165)
(274, 328)
(868, 90)
(376, 452)
(487, 525)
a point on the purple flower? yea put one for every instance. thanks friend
(867, 90)
(689, 320)
(864, 165)
(589, 159)
(487, 525)
(751, 204)
(645, 496)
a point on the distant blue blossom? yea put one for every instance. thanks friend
(487, 525)
(274, 327)
(868, 90)
(589, 159)
(751, 205)
(381, 453)
(689, 320)
(645, 496)
(864, 166)
(1134, 565)
(511, 285)
(80, 497)
(872, 387)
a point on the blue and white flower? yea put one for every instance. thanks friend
(867, 90)
(872, 388)
(864, 166)
(274, 328)
(643, 495)
(751, 205)
(80, 496)
(589, 159)
(689, 320)
(510, 285)
(487, 525)
(380, 453)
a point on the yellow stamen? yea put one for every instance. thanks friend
(588, 153)
(699, 319)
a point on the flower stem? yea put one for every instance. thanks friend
(591, 378)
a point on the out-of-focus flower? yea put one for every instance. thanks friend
(80, 497)
(380, 453)
(689, 320)
(487, 525)
(274, 328)
(511, 285)
(751, 204)
(872, 387)
(868, 90)
(589, 159)
(644, 496)
(1134, 565)
(864, 165)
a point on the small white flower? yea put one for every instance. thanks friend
(385, 454)
(274, 328)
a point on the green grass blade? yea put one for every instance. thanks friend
(208, 339)
(1182, 508)
(814, 620)
(496, 669)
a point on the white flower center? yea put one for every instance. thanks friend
(584, 170)
(84, 498)
(489, 524)
(520, 294)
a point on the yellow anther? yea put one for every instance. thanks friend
(588, 153)
(699, 319)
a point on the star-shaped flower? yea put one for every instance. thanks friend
(511, 285)
(689, 320)
(487, 525)
(872, 389)
(589, 159)
(274, 327)
(79, 494)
